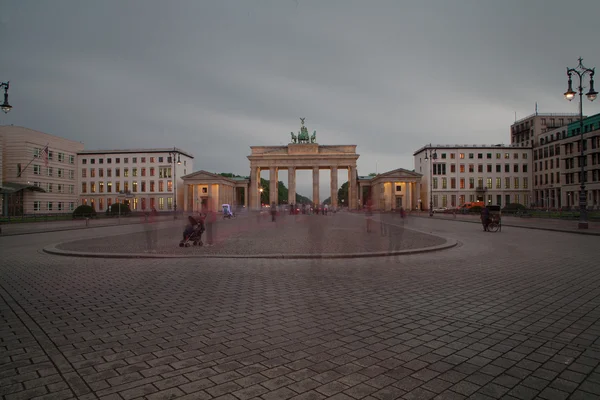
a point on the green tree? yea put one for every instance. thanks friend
(343, 195)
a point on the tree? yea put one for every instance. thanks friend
(343, 195)
(373, 174)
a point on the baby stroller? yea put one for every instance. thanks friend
(193, 233)
(227, 213)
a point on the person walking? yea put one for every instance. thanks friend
(273, 211)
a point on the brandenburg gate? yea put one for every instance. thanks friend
(303, 153)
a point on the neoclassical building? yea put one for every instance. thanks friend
(390, 190)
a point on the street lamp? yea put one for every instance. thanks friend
(5, 106)
(431, 155)
(172, 155)
(581, 71)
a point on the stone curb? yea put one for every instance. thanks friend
(515, 226)
(52, 249)
(66, 229)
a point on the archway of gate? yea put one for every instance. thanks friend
(303, 156)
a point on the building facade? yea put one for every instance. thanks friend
(390, 191)
(494, 174)
(527, 131)
(204, 190)
(38, 172)
(146, 179)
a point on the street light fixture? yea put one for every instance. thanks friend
(172, 155)
(432, 156)
(581, 72)
(5, 106)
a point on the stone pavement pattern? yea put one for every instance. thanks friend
(510, 315)
(303, 234)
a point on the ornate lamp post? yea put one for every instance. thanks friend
(172, 155)
(5, 106)
(581, 72)
(431, 155)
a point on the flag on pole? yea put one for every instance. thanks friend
(44, 155)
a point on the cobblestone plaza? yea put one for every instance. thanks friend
(499, 315)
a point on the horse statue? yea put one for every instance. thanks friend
(294, 138)
(303, 135)
(313, 138)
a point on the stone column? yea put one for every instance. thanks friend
(273, 185)
(246, 196)
(360, 195)
(418, 190)
(291, 185)
(352, 195)
(209, 193)
(194, 198)
(334, 187)
(185, 198)
(315, 198)
(254, 184)
(409, 193)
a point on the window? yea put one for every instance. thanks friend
(516, 182)
(516, 167)
(134, 186)
(498, 183)
(71, 206)
(109, 160)
(84, 160)
(37, 169)
(117, 160)
(498, 167)
(143, 171)
(524, 167)
(471, 183)
(71, 159)
(92, 172)
(118, 187)
(109, 187)
(452, 156)
(92, 187)
(163, 172)
(444, 183)
(100, 172)
(71, 189)
(83, 187)
(160, 159)
(60, 188)
(161, 186)
(506, 167)
(125, 160)
(489, 156)
(471, 167)
(144, 186)
(461, 156)
(134, 160)
(498, 156)
(506, 156)
(169, 186)
(100, 187)
(126, 172)
(480, 168)
(462, 183)
(152, 186)
(50, 171)
(143, 159)
(126, 186)
(101, 161)
(489, 168)
(50, 155)
(134, 172)
(471, 155)
(462, 168)
(61, 157)
(117, 171)
(108, 172)
(152, 159)
(435, 183)
(516, 156)
(60, 206)
(37, 205)
(92, 161)
(489, 183)
(444, 156)
(507, 183)
(169, 203)
(161, 203)
(49, 206)
(60, 172)
(452, 183)
(152, 173)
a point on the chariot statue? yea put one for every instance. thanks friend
(303, 135)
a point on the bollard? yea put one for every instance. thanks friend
(87, 222)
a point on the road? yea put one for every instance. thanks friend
(512, 315)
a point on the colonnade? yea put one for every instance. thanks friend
(273, 182)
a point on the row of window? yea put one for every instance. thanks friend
(546, 152)
(37, 153)
(60, 206)
(450, 201)
(543, 179)
(134, 160)
(144, 186)
(489, 183)
(60, 172)
(135, 204)
(487, 156)
(543, 165)
(60, 188)
(163, 172)
(440, 169)
(570, 177)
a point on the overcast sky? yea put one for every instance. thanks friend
(215, 77)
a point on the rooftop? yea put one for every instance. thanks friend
(131, 151)
(546, 115)
(470, 146)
